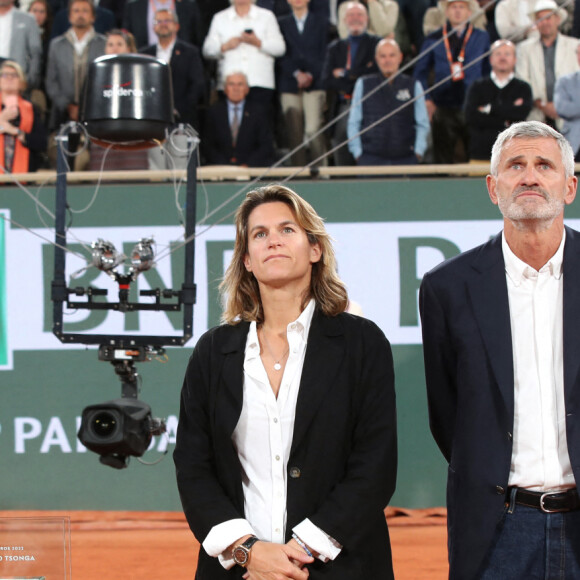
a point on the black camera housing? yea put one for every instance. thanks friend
(120, 427)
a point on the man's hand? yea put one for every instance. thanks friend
(269, 561)
(431, 108)
(73, 112)
(303, 79)
(232, 43)
(338, 73)
(251, 38)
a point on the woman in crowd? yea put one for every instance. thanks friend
(286, 446)
(120, 42)
(23, 136)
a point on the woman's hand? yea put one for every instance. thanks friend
(9, 113)
(269, 561)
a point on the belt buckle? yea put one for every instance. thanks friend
(544, 509)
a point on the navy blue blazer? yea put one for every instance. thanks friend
(342, 463)
(304, 51)
(336, 57)
(188, 13)
(187, 79)
(254, 145)
(470, 388)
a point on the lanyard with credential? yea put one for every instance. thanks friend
(457, 73)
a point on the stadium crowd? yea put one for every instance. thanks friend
(257, 79)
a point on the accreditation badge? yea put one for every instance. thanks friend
(457, 73)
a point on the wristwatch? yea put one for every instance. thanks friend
(241, 553)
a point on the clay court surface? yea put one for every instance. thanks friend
(159, 545)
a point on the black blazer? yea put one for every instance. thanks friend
(336, 57)
(187, 79)
(342, 464)
(470, 386)
(188, 13)
(304, 51)
(254, 146)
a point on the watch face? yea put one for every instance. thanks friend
(241, 555)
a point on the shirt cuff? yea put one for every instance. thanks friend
(317, 540)
(222, 536)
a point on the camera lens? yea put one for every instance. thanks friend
(104, 424)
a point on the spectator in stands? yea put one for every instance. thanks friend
(246, 38)
(346, 60)
(104, 21)
(402, 138)
(302, 97)
(69, 56)
(383, 16)
(139, 18)
(515, 19)
(567, 104)
(22, 133)
(188, 85)
(447, 51)
(20, 41)
(435, 19)
(236, 131)
(541, 61)
(493, 103)
(120, 42)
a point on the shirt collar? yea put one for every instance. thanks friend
(499, 83)
(518, 270)
(251, 13)
(301, 326)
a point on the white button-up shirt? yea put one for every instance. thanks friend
(263, 439)
(540, 460)
(256, 63)
(6, 33)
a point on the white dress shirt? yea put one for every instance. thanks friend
(540, 460)
(256, 63)
(6, 33)
(263, 439)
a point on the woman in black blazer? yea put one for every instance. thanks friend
(286, 446)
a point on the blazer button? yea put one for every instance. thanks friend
(295, 472)
(499, 490)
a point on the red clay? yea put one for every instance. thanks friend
(159, 545)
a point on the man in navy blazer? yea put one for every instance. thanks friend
(567, 106)
(346, 60)
(188, 85)
(137, 15)
(501, 338)
(236, 130)
(299, 80)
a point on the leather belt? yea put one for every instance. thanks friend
(549, 501)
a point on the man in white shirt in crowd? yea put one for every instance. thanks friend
(246, 38)
(501, 341)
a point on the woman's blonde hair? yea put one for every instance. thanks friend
(239, 288)
(17, 69)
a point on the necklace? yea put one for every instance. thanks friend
(277, 363)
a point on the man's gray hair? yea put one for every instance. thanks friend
(532, 130)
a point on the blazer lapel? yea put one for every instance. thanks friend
(488, 291)
(325, 347)
(571, 315)
(229, 397)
